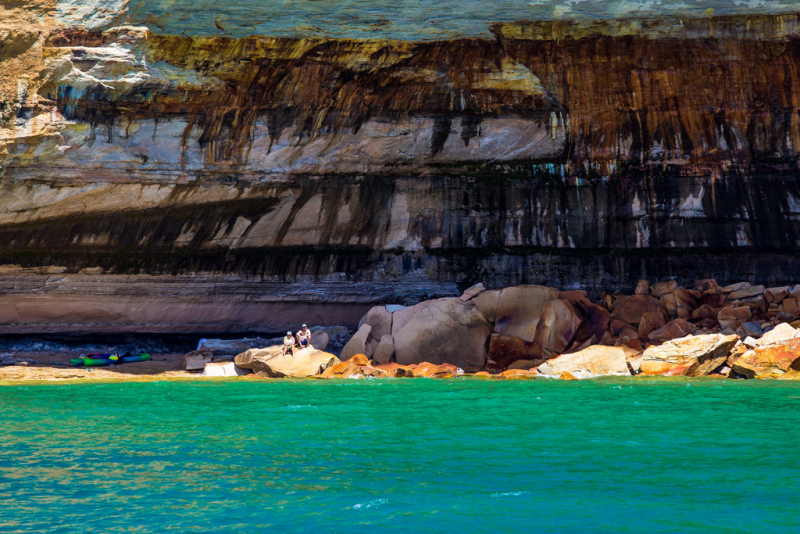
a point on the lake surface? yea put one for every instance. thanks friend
(461, 455)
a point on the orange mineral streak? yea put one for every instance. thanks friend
(772, 361)
(708, 95)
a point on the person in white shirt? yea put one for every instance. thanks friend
(288, 344)
(304, 337)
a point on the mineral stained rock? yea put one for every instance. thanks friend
(685, 356)
(158, 173)
(270, 362)
(770, 361)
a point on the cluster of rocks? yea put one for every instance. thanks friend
(9, 358)
(663, 329)
(739, 331)
(215, 357)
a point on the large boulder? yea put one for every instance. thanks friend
(270, 362)
(708, 284)
(621, 329)
(631, 308)
(705, 312)
(520, 309)
(652, 321)
(330, 330)
(749, 292)
(224, 346)
(731, 315)
(691, 355)
(505, 350)
(771, 361)
(447, 331)
(668, 303)
(558, 324)
(595, 324)
(380, 320)
(385, 350)
(255, 359)
(358, 344)
(400, 318)
(598, 360)
(487, 302)
(319, 340)
(782, 332)
(673, 330)
(735, 287)
(685, 302)
(660, 289)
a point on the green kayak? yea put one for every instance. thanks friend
(102, 360)
(129, 358)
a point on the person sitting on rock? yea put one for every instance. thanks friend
(288, 344)
(303, 337)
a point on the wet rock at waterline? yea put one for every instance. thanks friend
(593, 361)
(688, 355)
(271, 362)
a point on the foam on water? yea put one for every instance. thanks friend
(370, 504)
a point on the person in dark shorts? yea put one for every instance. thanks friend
(304, 337)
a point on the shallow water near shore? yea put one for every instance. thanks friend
(611, 455)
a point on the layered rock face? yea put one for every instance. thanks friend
(167, 173)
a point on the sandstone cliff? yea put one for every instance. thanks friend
(303, 170)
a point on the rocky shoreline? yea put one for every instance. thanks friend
(738, 331)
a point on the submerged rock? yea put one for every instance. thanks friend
(396, 370)
(518, 374)
(432, 370)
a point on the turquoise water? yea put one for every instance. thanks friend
(420, 455)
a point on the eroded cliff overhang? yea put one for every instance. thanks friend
(709, 96)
